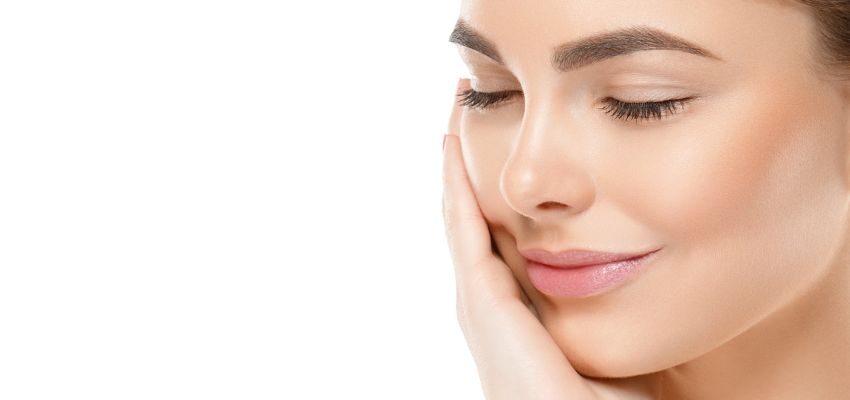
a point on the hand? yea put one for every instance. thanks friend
(517, 358)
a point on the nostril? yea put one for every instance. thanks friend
(551, 204)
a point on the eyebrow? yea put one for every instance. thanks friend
(591, 49)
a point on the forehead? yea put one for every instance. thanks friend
(740, 31)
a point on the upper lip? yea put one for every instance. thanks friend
(578, 257)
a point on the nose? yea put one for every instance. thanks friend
(546, 176)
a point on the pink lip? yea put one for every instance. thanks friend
(577, 257)
(581, 273)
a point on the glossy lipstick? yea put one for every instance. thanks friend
(582, 273)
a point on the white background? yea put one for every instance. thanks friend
(226, 200)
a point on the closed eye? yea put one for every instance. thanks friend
(617, 109)
(484, 100)
(643, 110)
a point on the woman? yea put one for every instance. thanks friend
(701, 148)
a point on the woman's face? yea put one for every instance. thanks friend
(745, 186)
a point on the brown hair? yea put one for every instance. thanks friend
(833, 25)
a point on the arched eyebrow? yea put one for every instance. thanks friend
(591, 49)
(464, 35)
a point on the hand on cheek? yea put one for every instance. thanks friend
(516, 356)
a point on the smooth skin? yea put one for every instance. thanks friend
(747, 189)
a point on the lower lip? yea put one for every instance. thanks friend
(585, 281)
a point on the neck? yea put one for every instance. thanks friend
(801, 351)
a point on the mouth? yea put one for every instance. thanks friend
(573, 258)
(582, 273)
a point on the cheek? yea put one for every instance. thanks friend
(749, 160)
(486, 141)
(751, 205)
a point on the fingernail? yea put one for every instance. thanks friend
(444, 141)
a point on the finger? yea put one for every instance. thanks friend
(466, 229)
(479, 273)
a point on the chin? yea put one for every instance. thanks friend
(606, 365)
(600, 359)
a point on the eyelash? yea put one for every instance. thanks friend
(616, 108)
